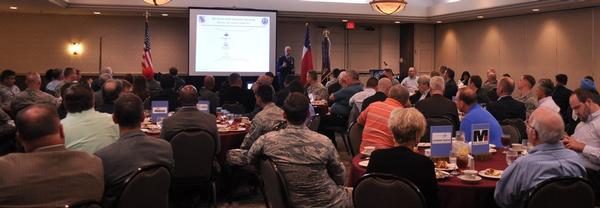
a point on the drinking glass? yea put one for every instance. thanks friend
(453, 162)
(506, 141)
(511, 156)
(230, 118)
(160, 122)
(460, 136)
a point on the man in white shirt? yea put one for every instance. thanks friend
(369, 91)
(544, 94)
(586, 139)
(410, 82)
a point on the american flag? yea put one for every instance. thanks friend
(307, 63)
(147, 68)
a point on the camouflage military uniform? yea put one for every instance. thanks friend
(530, 101)
(7, 94)
(265, 121)
(309, 163)
(28, 97)
(318, 91)
(6, 128)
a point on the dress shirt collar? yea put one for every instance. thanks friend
(50, 148)
(547, 147)
(131, 134)
(594, 116)
(81, 114)
(502, 97)
(474, 107)
(546, 99)
(392, 102)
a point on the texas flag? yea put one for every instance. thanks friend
(307, 63)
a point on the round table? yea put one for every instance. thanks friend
(453, 192)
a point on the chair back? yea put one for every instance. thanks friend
(561, 192)
(315, 122)
(436, 121)
(273, 184)
(354, 113)
(513, 132)
(235, 108)
(194, 153)
(384, 190)
(519, 125)
(354, 138)
(146, 187)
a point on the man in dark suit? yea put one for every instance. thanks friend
(133, 150)
(437, 106)
(236, 93)
(110, 92)
(423, 91)
(285, 65)
(207, 93)
(451, 88)
(561, 98)
(188, 117)
(506, 107)
(47, 174)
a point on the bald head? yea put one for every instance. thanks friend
(506, 86)
(547, 125)
(188, 96)
(37, 122)
(265, 80)
(209, 82)
(111, 90)
(33, 80)
(399, 93)
(384, 85)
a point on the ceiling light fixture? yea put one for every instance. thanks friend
(452, 1)
(535, 10)
(13, 7)
(344, 20)
(439, 21)
(388, 7)
(157, 2)
(97, 13)
(479, 17)
(165, 15)
(397, 22)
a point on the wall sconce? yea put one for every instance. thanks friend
(75, 48)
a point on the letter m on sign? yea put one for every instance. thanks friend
(480, 135)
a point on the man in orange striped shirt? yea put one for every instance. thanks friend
(375, 119)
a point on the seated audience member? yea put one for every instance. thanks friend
(110, 92)
(104, 75)
(506, 107)
(374, 119)
(85, 128)
(47, 174)
(268, 119)
(263, 80)
(451, 88)
(548, 159)
(474, 114)
(179, 82)
(207, 93)
(475, 84)
(341, 99)
(188, 117)
(410, 82)
(588, 84)
(153, 86)
(407, 126)
(438, 106)
(8, 89)
(7, 134)
(285, 91)
(544, 94)
(314, 86)
(358, 98)
(423, 91)
(434, 74)
(141, 150)
(334, 84)
(54, 77)
(127, 86)
(236, 93)
(561, 96)
(528, 96)
(307, 160)
(140, 88)
(31, 95)
(586, 139)
(168, 92)
(98, 100)
(464, 78)
(491, 83)
(390, 75)
(383, 88)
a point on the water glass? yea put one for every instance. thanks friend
(453, 162)
(460, 136)
(511, 156)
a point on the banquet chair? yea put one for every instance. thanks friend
(354, 138)
(518, 124)
(273, 184)
(561, 192)
(515, 136)
(353, 116)
(235, 108)
(315, 121)
(436, 121)
(194, 152)
(146, 187)
(385, 190)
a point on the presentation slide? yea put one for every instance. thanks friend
(227, 41)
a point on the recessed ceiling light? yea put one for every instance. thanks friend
(479, 17)
(13, 7)
(397, 22)
(165, 15)
(344, 20)
(452, 1)
(535, 10)
(439, 21)
(97, 13)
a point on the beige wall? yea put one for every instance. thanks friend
(541, 45)
(31, 42)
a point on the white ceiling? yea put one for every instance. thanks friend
(416, 10)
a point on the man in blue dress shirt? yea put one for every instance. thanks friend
(548, 159)
(474, 114)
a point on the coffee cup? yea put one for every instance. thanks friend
(517, 147)
(470, 174)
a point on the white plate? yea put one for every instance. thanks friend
(424, 144)
(151, 131)
(451, 167)
(493, 151)
(221, 126)
(364, 163)
(228, 130)
(482, 174)
(465, 179)
(492, 146)
(441, 174)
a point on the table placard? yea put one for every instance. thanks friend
(441, 141)
(203, 105)
(480, 139)
(160, 109)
